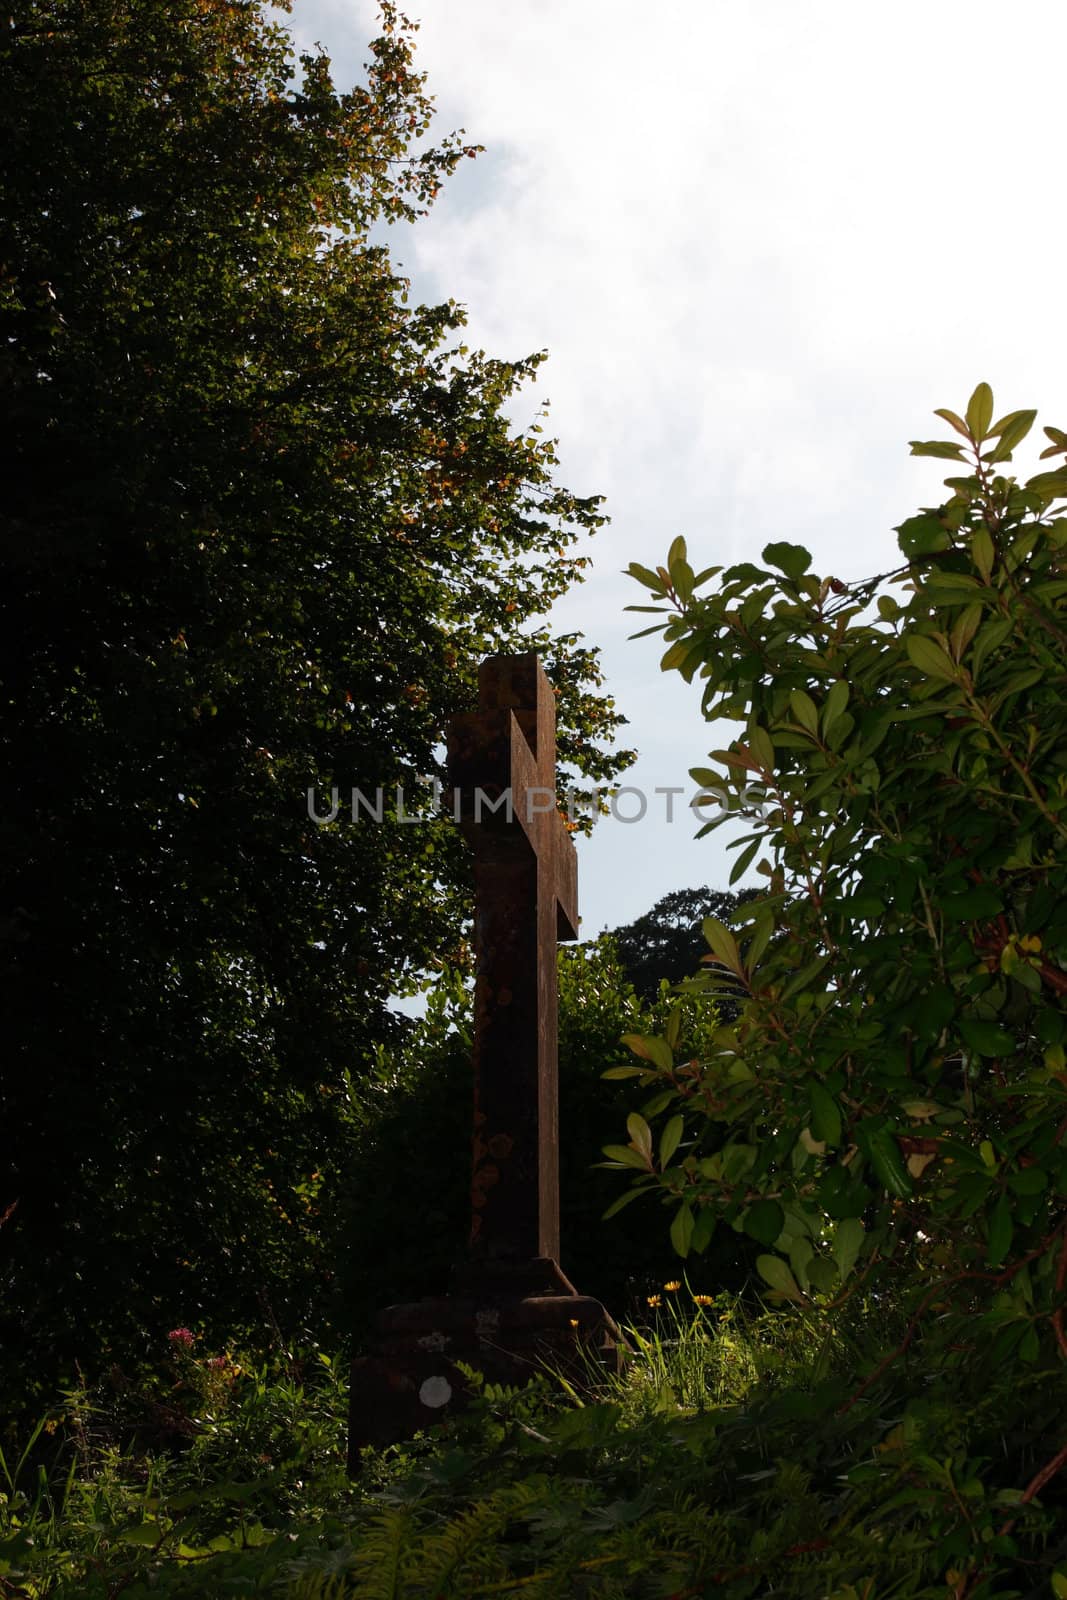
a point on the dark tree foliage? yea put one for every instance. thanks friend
(668, 941)
(261, 518)
(412, 1180)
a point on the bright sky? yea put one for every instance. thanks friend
(761, 243)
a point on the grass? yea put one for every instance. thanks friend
(724, 1460)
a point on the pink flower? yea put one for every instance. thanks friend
(181, 1336)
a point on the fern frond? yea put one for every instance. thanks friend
(384, 1544)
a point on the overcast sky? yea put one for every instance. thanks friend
(761, 243)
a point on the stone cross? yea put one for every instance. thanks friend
(502, 768)
(509, 1306)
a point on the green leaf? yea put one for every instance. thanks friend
(641, 1134)
(674, 657)
(989, 637)
(703, 1229)
(801, 1252)
(835, 703)
(804, 709)
(943, 449)
(821, 1274)
(722, 943)
(759, 741)
(670, 1139)
(980, 411)
(623, 1153)
(972, 905)
(806, 975)
(983, 552)
(879, 1145)
(986, 1038)
(848, 1242)
(929, 657)
(1001, 1228)
(658, 1051)
(142, 1533)
(760, 938)
(1049, 483)
(624, 1200)
(956, 422)
(682, 1229)
(764, 1221)
(651, 580)
(1059, 1583)
(924, 535)
(825, 1115)
(744, 860)
(676, 553)
(773, 1270)
(1011, 430)
(792, 559)
(623, 1072)
(1031, 1180)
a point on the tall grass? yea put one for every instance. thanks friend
(725, 1458)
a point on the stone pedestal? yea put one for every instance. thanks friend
(504, 1321)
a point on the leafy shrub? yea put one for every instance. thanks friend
(889, 1108)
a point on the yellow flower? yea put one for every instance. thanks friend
(673, 1286)
(703, 1299)
(653, 1300)
(574, 1322)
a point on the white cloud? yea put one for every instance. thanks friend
(761, 243)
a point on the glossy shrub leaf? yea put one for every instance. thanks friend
(980, 411)
(626, 1156)
(930, 658)
(776, 1272)
(880, 1146)
(1000, 1232)
(650, 1048)
(670, 1139)
(792, 559)
(825, 1115)
(764, 1221)
(641, 1135)
(848, 1242)
(624, 1200)
(682, 1230)
(722, 943)
(986, 1038)
(944, 449)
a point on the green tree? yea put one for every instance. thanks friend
(890, 1106)
(261, 519)
(667, 943)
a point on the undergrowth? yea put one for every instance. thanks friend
(738, 1455)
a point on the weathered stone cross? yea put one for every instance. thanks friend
(502, 765)
(510, 1302)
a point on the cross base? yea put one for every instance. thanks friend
(504, 1320)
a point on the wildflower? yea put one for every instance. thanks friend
(574, 1322)
(703, 1299)
(182, 1337)
(653, 1300)
(673, 1286)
